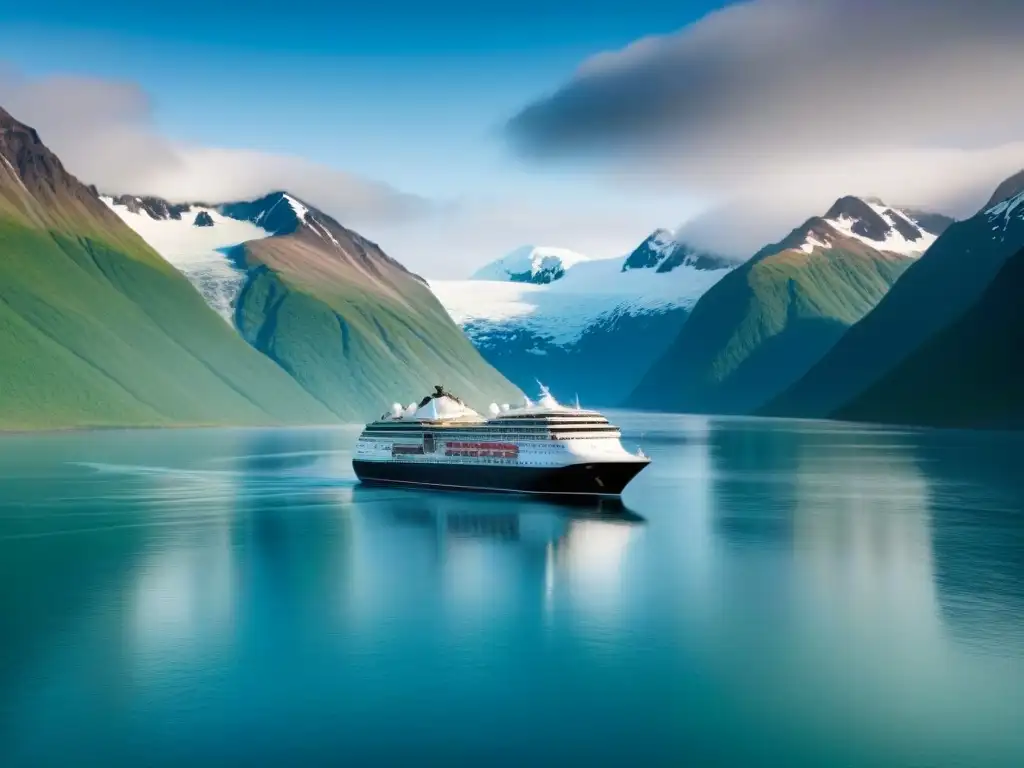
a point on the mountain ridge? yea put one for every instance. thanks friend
(563, 331)
(351, 324)
(771, 319)
(936, 290)
(97, 329)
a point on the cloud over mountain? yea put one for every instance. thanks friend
(912, 100)
(105, 133)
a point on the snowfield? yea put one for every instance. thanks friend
(592, 292)
(894, 242)
(197, 252)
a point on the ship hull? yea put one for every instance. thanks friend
(598, 479)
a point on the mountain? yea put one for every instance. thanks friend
(663, 252)
(763, 325)
(353, 326)
(592, 331)
(970, 374)
(936, 291)
(97, 329)
(530, 264)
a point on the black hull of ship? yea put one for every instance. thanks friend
(575, 480)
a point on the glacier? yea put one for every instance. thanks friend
(197, 252)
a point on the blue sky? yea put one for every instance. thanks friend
(411, 94)
(395, 118)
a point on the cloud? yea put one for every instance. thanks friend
(104, 133)
(913, 100)
(460, 238)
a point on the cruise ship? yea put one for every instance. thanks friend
(541, 447)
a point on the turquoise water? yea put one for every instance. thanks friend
(773, 593)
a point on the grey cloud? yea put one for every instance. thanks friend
(784, 72)
(915, 99)
(104, 133)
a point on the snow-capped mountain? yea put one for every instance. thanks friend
(874, 224)
(663, 251)
(531, 264)
(195, 238)
(198, 238)
(591, 331)
(350, 324)
(764, 325)
(932, 296)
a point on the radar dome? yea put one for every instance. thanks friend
(505, 407)
(396, 410)
(494, 409)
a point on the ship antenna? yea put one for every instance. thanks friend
(577, 401)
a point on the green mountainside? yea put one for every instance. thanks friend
(765, 324)
(933, 293)
(355, 328)
(96, 329)
(970, 374)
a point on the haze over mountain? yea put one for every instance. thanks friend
(767, 322)
(354, 327)
(930, 296)
(586, 327)
(97, 329)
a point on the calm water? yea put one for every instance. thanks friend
(774, 593)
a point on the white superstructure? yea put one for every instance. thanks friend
(541, 434)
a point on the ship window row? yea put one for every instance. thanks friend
(504, 429)
(451, 434)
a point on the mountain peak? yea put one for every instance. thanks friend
(662, 251)
(866, 219)
(1011, 187)
(277, 212)
(531, 264)
(36, 182)
(871, 222)
(154, 207)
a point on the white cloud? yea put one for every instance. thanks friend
(457, 239)
(104, 133)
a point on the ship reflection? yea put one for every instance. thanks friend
(486, 549)
(495, 516)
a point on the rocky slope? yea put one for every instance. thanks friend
(354, 327)
(97, 329)
(765, 324)
(937, 290)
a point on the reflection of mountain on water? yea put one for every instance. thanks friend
(977, 501)
(919, 529)
(850, 503)
(862, 535)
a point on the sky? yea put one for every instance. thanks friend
(452, 132)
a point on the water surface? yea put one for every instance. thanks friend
(772, 593)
